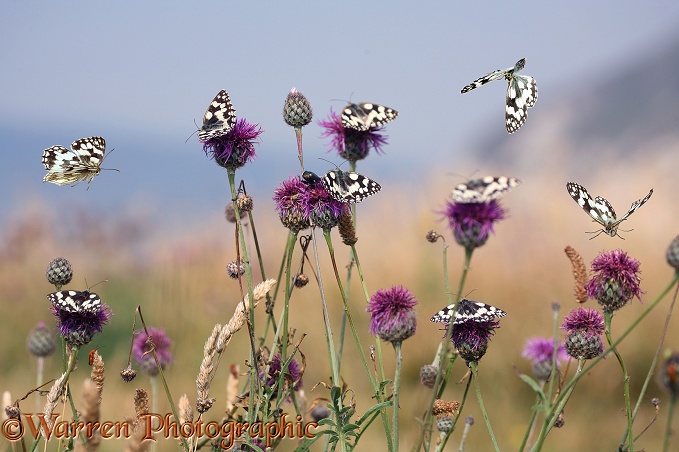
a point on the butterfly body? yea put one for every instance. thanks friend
(364, 115)
(76, 302)
(522, 93)
(219, 118)
(484, 189)
(601, 210)
(344, 186)
(468, 311)
(81, 163)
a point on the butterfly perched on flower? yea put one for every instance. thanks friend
(219, 118)
(364, 115)
(484, 189)
(468, 311)
(344, 186)
(522, 93)
(76, 302)
(81, 163)
(601, 210)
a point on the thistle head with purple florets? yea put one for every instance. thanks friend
(616, 280)
(301, 204)
(235, 148)
(540, 351)
(141, 350)
(392, 317)
(77, 324)
(471, 338)
(472, 223)
(351, 144)
(293, 374)
(584, 328)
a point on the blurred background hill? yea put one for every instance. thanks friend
(607, 117)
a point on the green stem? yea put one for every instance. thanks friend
(608, 316)
(397, 385)
(474, 368)
(668, 423)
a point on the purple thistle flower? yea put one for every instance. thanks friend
(615, 281)
(320, 208)
(141, 350)
(539, 351)
(472, 223)
(392, 317)
(293, 374)
(471, 338)
(349, 143)
(236, 148)
(584, 328)
(288, 203)
(78, 327)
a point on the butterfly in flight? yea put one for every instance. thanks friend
(522, 93)
(344, 186)
(364, 115)
(76, 302)
(484, 189)
(81, 163)
(219, 118)
(601, 210)
(468, 311)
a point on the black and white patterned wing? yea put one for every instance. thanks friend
(364, 115)
(598, 208)
(468, 311)
(81, 163)
(219, 118)
(483, 189)
(522, 93)
(489, 77)
(76, 302)
(635, 205)
(347, 186)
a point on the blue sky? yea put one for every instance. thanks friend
(141, 74)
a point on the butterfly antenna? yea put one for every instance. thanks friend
(594, 232)
(197, 129)
(104, 158)
(321, 158)
(102, 281)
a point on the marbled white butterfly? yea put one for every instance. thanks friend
(522, 93)
(345, 186)
(364, 115)
(219, 118)
(76, 302)
(484, 189)
(468, 311)
(80, 163)
(602, 210)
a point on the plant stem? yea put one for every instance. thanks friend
(397, 385)
(474, 367)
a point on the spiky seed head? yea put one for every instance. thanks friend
(301, 280)
(445, 424)
(432, 236)
(244, 203)
(230, 213)
(128, 374)
(673, 254)
(59, 272)
(235, 269)
(297, 110)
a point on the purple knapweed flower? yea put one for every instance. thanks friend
(615, 281)
(320, 208)
(349, 143)
(288, 203)
(392, 317)
(471, 338)
(76, 324)
(584, 327)
(472, 223)
(293, 374)
(141, 350)
(539, 350)
(235, 148)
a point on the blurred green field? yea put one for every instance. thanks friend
(179, 279)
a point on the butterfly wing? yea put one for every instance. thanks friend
(219, 118)
(81, 163)
(522, 93)
(484, 189)
(489, 77)
(347, 186)
(364, 115)
(599, 209)
(635, 205)
(76, 302)
(469, 310)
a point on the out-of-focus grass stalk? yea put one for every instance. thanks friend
(608, 316)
